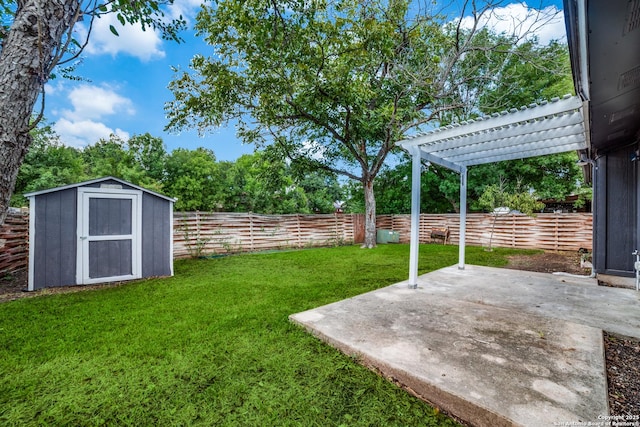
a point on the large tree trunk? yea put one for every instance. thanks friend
(370, 214)
(26, 59)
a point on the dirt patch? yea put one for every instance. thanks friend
(14, 286)
(549, 262)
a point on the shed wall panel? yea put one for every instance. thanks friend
(156, 236)
(55, 239)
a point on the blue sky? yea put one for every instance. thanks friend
(126, 85)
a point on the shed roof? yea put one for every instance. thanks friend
(538, 129)
(94, 181)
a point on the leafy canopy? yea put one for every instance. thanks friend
(334, 84)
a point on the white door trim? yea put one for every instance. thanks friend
(83, 238)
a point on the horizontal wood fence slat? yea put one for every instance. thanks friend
(559, 232)
(198, 233)
(14, 249)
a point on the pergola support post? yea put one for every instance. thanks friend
(416, 170)
(463, 217)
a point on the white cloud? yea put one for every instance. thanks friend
(524, 21)
(85, 132)
(83, 124)
(132, 40)
(94, 102)
(313, 150)
(185, 8)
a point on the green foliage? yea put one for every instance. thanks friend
(193, 177)
(150, 153)
(518, 199)
(113, 157)
(269, 186)
(335, 85)
(261, 182)
(149, 14)
(322, 189)
(531, 74)
(316, 78)
(497, 196)
(524, 82)
(211, 346)
(47, 164)
(394, 190)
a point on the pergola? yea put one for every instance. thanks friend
(539, 129)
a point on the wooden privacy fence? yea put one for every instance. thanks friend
(559, 232)
(14, 250)
(197, 233)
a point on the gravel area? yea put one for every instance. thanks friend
(623, 374)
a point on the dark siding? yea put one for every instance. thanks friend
(156, 238)
(55, 239)
(599, 207)
(616, 208)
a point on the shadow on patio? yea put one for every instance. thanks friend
(487, 345)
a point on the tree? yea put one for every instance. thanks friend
(393, 190)
(150, 153)
(500, 200)
(262, 183)
(48, 164)
(333, 84)
(36, 36)
(521, 83)
(193, 177)
(322, 190)
(113, 157)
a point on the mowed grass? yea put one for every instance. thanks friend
(211, 346)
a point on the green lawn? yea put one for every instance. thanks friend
(211, 346)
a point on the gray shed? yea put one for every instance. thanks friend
(103, 230)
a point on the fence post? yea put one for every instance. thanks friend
(557, 234)
(250, 216)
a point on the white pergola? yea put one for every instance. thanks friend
(547, 128)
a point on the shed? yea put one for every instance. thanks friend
(103, 230)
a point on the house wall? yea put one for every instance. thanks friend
(615, 222)
(55, 239)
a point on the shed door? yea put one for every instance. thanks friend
(109, 225)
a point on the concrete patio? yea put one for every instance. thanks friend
(489, 346)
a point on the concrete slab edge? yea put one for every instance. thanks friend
(450, 404)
